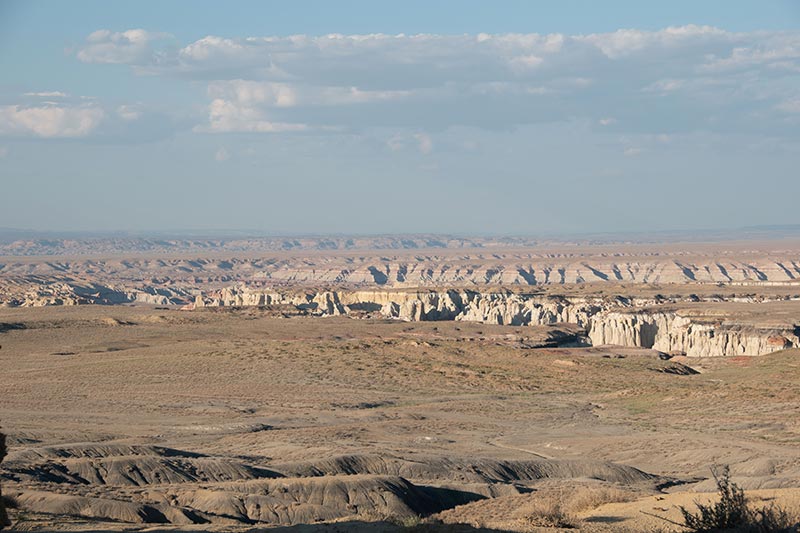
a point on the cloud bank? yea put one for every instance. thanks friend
(679, 79)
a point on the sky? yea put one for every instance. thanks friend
(449, 116)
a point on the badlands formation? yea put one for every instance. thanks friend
(696, 299)
(391, 384)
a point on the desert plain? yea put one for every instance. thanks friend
(454, 388)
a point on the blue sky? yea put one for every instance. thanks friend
(372, 117)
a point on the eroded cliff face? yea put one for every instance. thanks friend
(160, 272)
(634, 322)
(673, 333)
(502, 308)
(42, 293)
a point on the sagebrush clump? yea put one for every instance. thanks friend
(4, 521)
(732, 512)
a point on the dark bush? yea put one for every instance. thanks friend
(4, 502)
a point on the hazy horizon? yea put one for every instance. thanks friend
(515, 118)
(665, 235)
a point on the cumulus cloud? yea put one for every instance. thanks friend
(398, 61)
(248, 105)
(49, 121)
(629, 42)
(226, 117)
(54, 114)
(129, 47)
(680, 78)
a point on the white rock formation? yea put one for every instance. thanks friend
(619, 321)
(670, 332)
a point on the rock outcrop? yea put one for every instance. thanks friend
(634, 322)
(673, 332)
(40, 292)
(161, 273)
(183, 488)
(490, 307)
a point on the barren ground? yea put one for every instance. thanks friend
(331, 411)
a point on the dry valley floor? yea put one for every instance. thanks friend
(134, 418)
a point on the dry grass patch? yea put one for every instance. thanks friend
(585, 499)
(549, 510)
(559, 508)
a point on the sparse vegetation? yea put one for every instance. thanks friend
(733, 513)
(589, 498)
(452, 413)
(4, 501)
(408, 522)
(550, 510)
(560, 508)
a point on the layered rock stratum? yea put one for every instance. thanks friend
(698, 327)
(619, 293)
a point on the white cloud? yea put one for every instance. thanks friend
(129, 47)
(212, 47)
(425, 60)
(48, 94)
(49, 121)
(222, 155)
(525, 62)
(246, 105)
(677, 79)
(129, 112)
(254, 93)
(272, 94)
(768, 52)
(225, 117)
(627, 42)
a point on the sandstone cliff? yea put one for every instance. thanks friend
(634, 322)
(673, 332)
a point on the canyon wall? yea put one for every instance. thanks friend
(672, 332)
(430, 269)
(154, 276)
(635, 322)
(502, 308)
